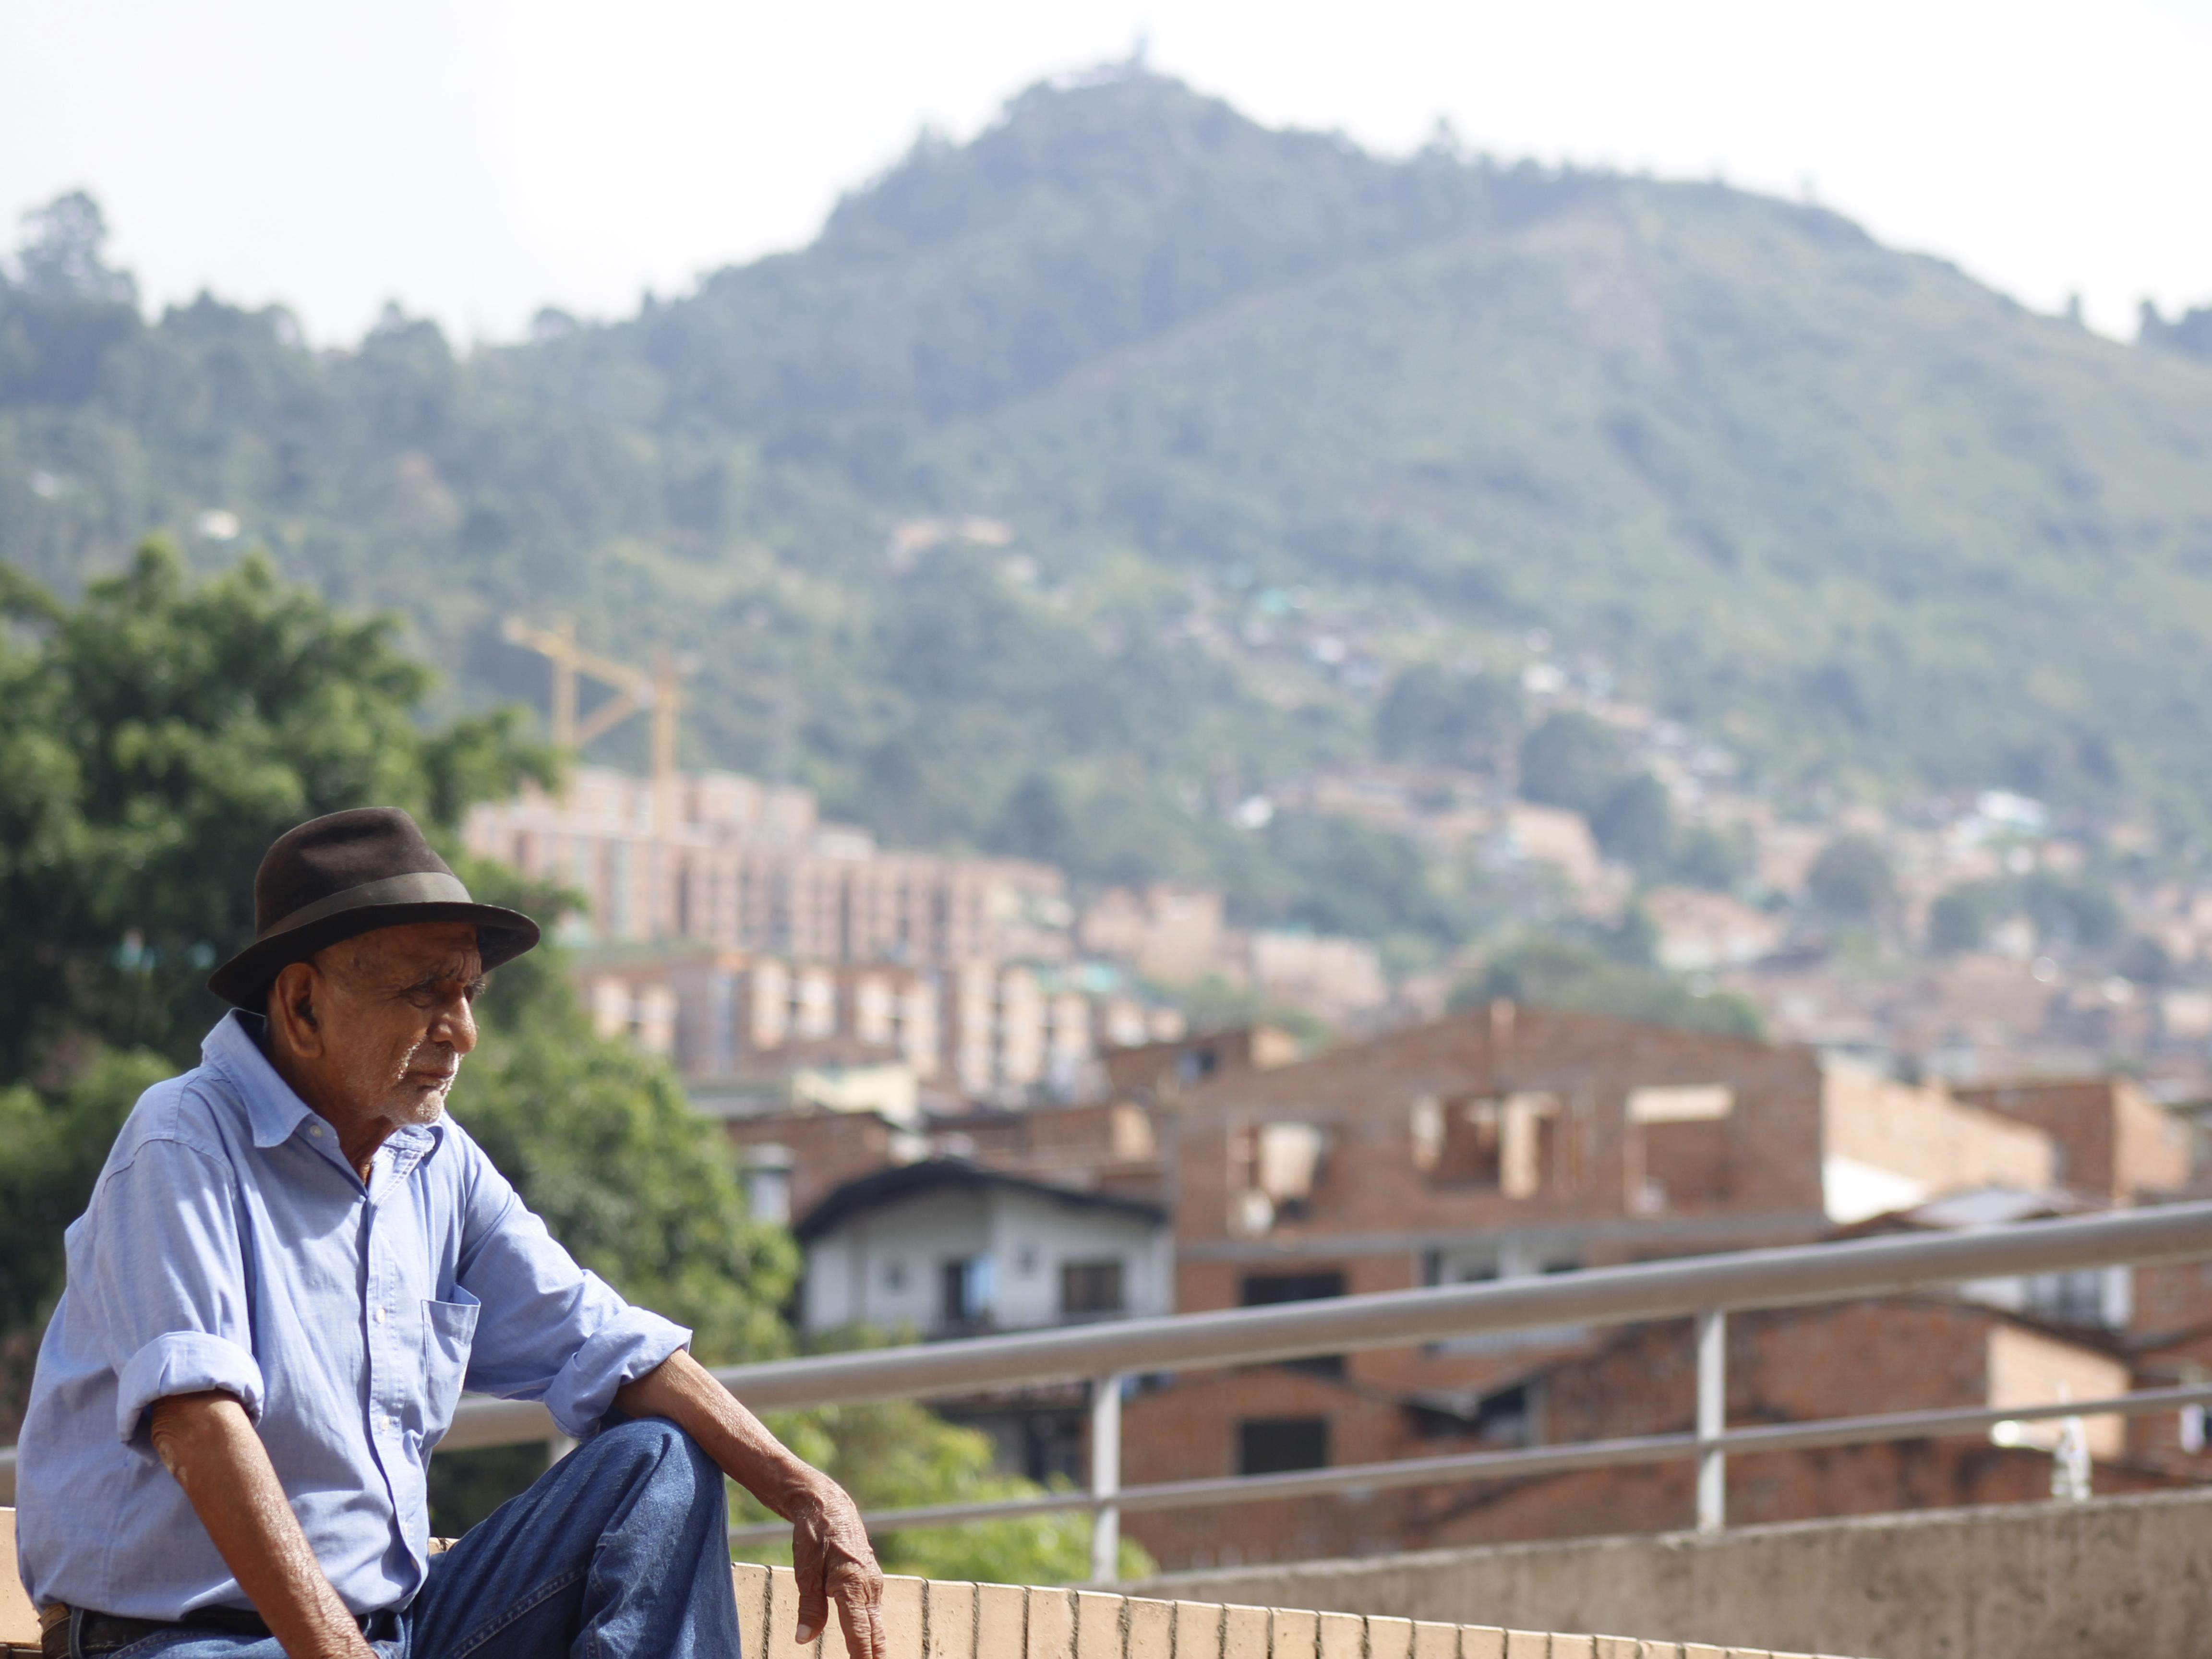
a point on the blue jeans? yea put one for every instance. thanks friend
(619, 1552)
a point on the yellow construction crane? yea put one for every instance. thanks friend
(657, 691)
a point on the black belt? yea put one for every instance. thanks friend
(100, 1633)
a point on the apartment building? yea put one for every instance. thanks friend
(743, 1026)
(1181, 935)
(729, 860)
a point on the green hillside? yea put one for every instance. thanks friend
(1269, 419)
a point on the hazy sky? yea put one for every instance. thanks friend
(476, 159)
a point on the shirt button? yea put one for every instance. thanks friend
(316, 1130)
(378, 1316)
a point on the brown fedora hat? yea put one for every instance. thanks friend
(332, 878)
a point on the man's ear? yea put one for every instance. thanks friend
(292, 1020)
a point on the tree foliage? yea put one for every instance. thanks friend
(1852, 881)
(1435, 716)
(901, 1457)
(1174, 351)
(1586, 979)
(1572, 761)
(1635, 822)
(155, 737)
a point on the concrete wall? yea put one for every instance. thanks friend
(2115, 1578)
(932, 1618)
(1885, 1145)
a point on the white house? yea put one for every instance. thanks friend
(947, 1247)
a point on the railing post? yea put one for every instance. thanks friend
(1712, 1420)
(1105, 1477)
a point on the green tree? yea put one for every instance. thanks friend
(1635, 822)
(2145, 961)
(1960, 919)
(1851, 881)
(153, 739)
(1705, 857)
(901, 1457)
(1434, 716)
(1034, 824)
(2071, 912)
(1337, 875)
(1577, 978)
(1570, 761)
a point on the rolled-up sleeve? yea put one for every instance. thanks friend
(169, 1284)
(549, 1329)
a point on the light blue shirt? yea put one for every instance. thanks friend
(229, 1245)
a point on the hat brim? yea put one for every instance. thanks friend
(243, 981)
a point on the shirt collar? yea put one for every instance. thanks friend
(271, 1107)
(274, 1111)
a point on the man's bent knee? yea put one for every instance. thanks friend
(651, 1449)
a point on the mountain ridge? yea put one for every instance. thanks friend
(1881, 526)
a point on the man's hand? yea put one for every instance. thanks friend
(207, 1442)
(829, 1548)
(831, 1557)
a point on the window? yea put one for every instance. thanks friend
(1088, 1289)
(1277, 1445)
(768, 1184)
(1680, 1147)
(1286, 1159)
(1195, 1065)
(964, 1290)
(1512, 1145)
(2069, 1298)
(1471, 1153)
(1265, 1290)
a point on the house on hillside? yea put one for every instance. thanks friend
(948, 1247)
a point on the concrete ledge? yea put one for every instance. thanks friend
(932, 1618)
(2115, 1578)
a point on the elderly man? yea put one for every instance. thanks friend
(292, 1264)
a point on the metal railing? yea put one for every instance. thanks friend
(1704, 1289)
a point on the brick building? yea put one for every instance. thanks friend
(1511, 1141)
(1896, 1354)
(2115, 1144)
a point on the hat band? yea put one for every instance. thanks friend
(420, 887)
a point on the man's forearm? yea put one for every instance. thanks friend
(682, 1390)
(830, 1549)
(207, 1441)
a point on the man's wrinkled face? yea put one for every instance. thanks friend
(392, 1009)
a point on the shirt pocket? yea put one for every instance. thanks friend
(449, 1330)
